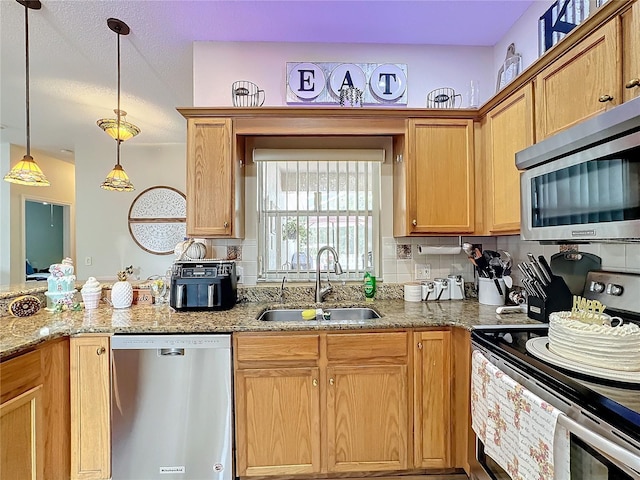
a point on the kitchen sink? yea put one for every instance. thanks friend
(345, 313)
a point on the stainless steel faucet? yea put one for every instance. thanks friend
(323, 292)
(284, 279)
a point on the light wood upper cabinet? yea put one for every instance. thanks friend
(432, 404)
(90, 407)
(438, 175)
(583, 82)
(214, 179)
(631, 51)
(509, 129)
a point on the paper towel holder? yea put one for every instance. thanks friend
(439, 249)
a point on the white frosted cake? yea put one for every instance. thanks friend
(61, 284)
(599, 345)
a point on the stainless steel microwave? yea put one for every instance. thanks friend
(583, 184)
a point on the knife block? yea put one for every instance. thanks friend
(559, 298)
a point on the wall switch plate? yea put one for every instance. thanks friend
(88, 261)
(422, 271)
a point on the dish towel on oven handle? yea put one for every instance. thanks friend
(519, 430)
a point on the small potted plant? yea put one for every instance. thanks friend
(122, 290)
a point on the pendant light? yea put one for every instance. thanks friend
(118, 179)
(27, 171)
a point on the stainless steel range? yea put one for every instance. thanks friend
(600, 408)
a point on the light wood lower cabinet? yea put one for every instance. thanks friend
(278, 414)
(21, 436)
(321, 403)
(432, 404)
(34, 414)
(367, 414)
(90, 408)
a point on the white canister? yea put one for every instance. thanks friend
(456, 287)
(412, 292)
(428, 291)
(443, 291)
(488, 292)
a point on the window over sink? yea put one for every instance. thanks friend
(308, 198)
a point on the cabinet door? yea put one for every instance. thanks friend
(432, 390)
(90, 408)
(509, 130)
(210, 177)
(578, 84)
(21, 436)
(278, 421)
(631, 51)
(440, 176)
(367, 418)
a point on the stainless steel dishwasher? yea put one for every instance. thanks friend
(171, 407)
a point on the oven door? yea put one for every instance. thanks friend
(587, 463)
(593, 453)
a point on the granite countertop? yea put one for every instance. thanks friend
(18, 334)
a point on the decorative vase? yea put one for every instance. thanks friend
(122, 294)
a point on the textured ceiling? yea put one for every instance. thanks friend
(73, 53)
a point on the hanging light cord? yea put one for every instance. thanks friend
(26, 42)
(118, 141)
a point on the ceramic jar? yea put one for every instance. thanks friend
(122, 294)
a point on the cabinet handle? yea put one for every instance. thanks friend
(414, 222)
(419, 345)
(315, 382)
(635, 82)
(225, 224)
(331, 381)
(605, 98)
(100, 350)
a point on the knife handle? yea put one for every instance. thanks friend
(546, 268)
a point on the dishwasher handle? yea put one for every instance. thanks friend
(171, 352)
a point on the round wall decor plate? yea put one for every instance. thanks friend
(157, 219)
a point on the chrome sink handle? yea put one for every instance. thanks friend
(320, 291)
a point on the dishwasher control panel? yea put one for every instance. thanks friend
(143, 342)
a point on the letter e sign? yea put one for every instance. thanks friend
(307, 81)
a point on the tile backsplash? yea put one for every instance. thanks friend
(399, 256)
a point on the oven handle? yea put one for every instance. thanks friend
(617, 453)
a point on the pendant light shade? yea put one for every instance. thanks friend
(110, 125)
(118, 180)
(27, 171)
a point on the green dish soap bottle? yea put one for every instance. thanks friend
(369, 287)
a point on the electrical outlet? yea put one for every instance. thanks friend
(88, 261)
(422, 271)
